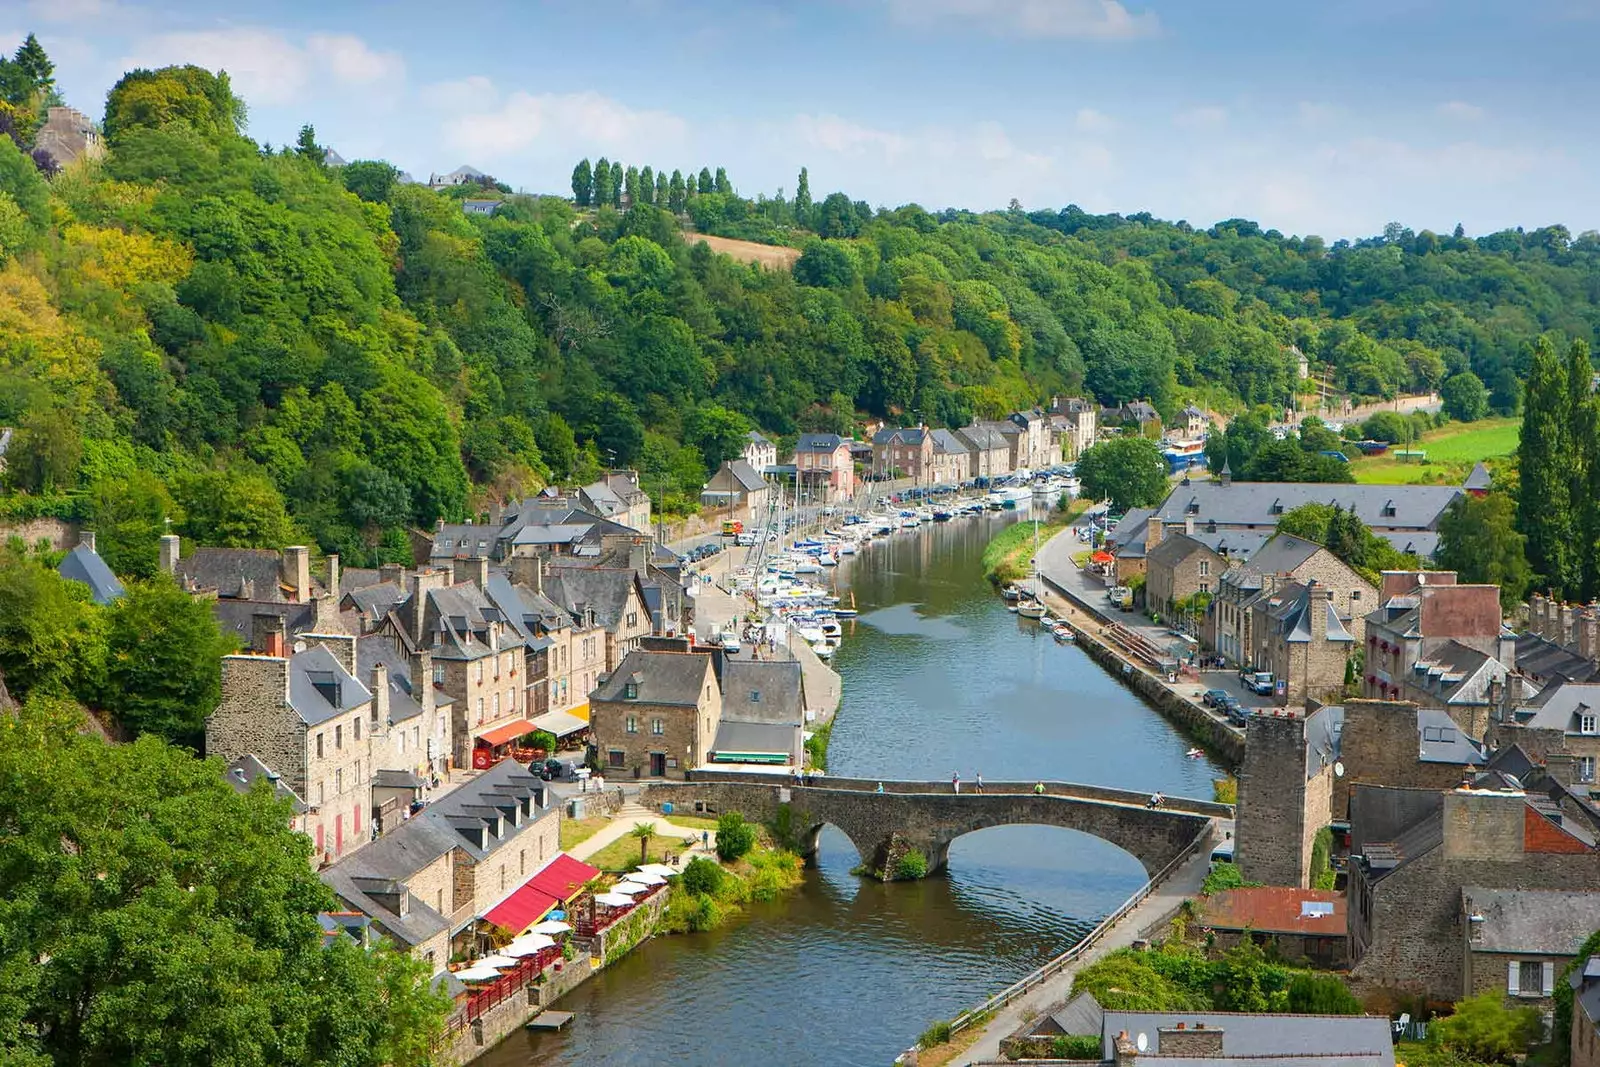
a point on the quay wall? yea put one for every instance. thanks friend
(511, 1014)
(1196, 721)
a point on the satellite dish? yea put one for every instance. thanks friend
(299, 646)
(1143, 1042)
(1338, 768)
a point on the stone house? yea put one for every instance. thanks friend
(1306, 925)
(824, 468)
(1585, 983)
(617, 497)
(1129, 543)
(244, 772)
(1192, 422)
(759, 452)
(905, 452)
(1036, 445)
(67, 136)
(426, 884)
(1140, 413)
(988, 449)
(1559, 727)
(763, 713)
(245, 584)
(1178, 568)
(737, 487)
(1282, 560)
(303, 713)
(1562, 642)
(952, 462)
(1286, 784)
(412, 718)
(656, 715)
(612, 598)
(1435, 642)
(1076, 422)
(477, 658)
(553, 639)
(1516, 941)
(1303, 641)
(1412, 854)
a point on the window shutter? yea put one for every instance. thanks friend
(1511, 978)
(1549, 978)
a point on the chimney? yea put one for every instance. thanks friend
(296, 569)
(476, 570)
(333, 573)
(422, 679)
(1124, 1050)
(422, 582)
(271, 635)
(1152, 533)
(1537, 616)
(1588, 633)
(639, 556)
(1188, 525)
(169, 553)
(527, 570)
(1321, 602)
(86, 539)
(1568, 629)
(1200, 1042)
(380, 695)
(392, 573)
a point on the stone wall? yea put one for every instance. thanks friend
(253, 717)
(1272, 831)
(61, 534)
(610, 721)
(1379, 747)
(514, 862)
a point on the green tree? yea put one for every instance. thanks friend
(701, 877)
(1321, 994)
(1465, 397)
(163, 661)
(1545, 455)
(735, 837)
(190, 95)
(604, 181)
(582, 183)
(802, 199)
(717, 432)
(51, 636)
(676, 193)
(647, 186)
(129, 515)
(1482, 1028)
(181, 926)
(630, 185)
(1128, 471)
(1478, 539)
(703, 183)
(306, 147)
(45, 452)
(721, 183)
(233, 509)
(371, 180)
(643, 832)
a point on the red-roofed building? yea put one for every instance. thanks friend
(1308, 924)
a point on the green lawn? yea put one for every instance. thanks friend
(1451, 450)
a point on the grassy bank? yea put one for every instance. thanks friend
(817, 746)
(1006, 556)
(704, 901)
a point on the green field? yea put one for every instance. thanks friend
(1451, 450)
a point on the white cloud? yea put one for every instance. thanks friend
(1460, 109)
(267, 68)
(830, 133)
(1207, 117)
(1088, 120)
(75, 11)
(1316, 114)
(1085, 19)
(553, 123)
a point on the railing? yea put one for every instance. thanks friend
(583, 926)
(1054, 967)
(502, 989)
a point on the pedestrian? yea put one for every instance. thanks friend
(977, 782)
(705, 839)
(1038, 789)
(955, 782)
(880, 787)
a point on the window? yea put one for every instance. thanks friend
(480, 670)
(1530, 978)
(1205, 568)
(438, 676)
(320, 797)
(658, 727)
(502, 879)
(355, 724)
(356, 815)
(480, 711)
(1586, 722)
(338, 737)
(1585, 768)
(522, 863)
(630, 691)
(633, 724)
(616, 758)
(1205, 587)
(755, 696)
(633, 618)
(338, 781)
(319, 746)
(497, 705)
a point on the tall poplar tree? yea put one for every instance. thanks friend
(646, 187)
(704, 181)
(604, 182)
(1544, 456)
(675, 193)
(583, 183)
(662, 189)
(722, 184)
(802, 199)
(1583, 468)
(630, 185)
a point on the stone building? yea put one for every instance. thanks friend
(425, 884)
(1518, 940)
(763, 713)
(1413, 852)
(739, 488)
(303, 713)
(1586, 1014)
(1176, 569)
(412, 717)
(656, 715)
(952, 462)
(617, 497)
(67, 136)
(988, 449)
(1035, 446)
(1281, 560)
(1076, 422)
(1285, 793)
(1562, 643)
(1302, 639)
(1306, 925)
(904, 452)
(1559, 727)
(1400, 745)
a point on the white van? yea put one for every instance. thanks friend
(1223, 853)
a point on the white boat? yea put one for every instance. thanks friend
(1062, 632)
(823, 650)
(1030, 609)
(848, 548)
(827, 560)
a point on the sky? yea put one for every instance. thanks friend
(1304, 115)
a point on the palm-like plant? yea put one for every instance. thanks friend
(644, 832)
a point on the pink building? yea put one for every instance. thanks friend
(823, 467)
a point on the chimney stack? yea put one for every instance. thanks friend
(333, 573)
(1124, 1050)
(272, 636)
(380, 696)
(477, 572)
(422, 680)
(1188, 525)
(169, 553)
(86, 539)
(296, 568)
(392, 573)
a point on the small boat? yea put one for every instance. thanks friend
(943, 516)
(845, 613)
(848, 548)
(823, 650)
(1062, 632)
(1195, 753)
(1031, 609)
(1011, 592)
(1011, 608)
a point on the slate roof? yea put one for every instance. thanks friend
(1081, 1016)
(1534, 922)
(604, 589)
(1293, 615)
(1393, 827)
(1348, 1039)
(1512, 760)
(234, 572)
(906, 435)
(1440, 740)
(1238, 545)
(320, 688)
(1275, 910)
(1459, 674)
(818, 442)
(1478, 478)
(733, 736)
(1415, 507)
(1324, 735)
(1560, 707)
(1545, 660)
(463, 540)
(1420, 543)
(982, 437)
(1127, 540)
(947, 443)
(375, 601)
(661, 677)
(456, 621)
(755, 437)
(745, 475)
(243, 772)
(762, 690)
(83, 564)
(1175, 549)
(1283, 554)
(420, 922)
(381, 648)
(239, 616)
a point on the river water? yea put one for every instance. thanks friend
(938, 678)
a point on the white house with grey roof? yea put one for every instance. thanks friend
(763, 713)
(738, 488)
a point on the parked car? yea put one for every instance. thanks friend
(1213, 698)
(1262, 683)
(1237, 713)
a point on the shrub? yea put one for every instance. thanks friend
(1321, 994)
(701, 877)
(1225, 790)
(544, 739)
(1486, 1030)
(735, 837)
(1322, 876)
(911, 866)
(936, 1034)
(1223, 875)
(1075, 1047)
(773, 872)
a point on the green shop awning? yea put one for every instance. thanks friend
(750, 757)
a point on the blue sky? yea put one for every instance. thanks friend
(1310, 117)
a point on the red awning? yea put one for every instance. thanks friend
(522, 908)
(1102, 557)
(563, 877)
(509, 732)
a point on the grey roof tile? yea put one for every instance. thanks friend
(661, 677)
(1540, 922)
(84, 565)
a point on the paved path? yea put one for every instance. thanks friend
(632, 815)
(1183, 884)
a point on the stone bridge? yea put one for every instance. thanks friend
(928, 816)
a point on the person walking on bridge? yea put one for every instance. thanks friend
(977, 782)
(1038, 789)
(955, 782)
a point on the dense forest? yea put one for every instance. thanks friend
(242, 341)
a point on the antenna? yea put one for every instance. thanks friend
(1338, 768)
(1143, 1042)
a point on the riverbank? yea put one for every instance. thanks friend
(1006, 556)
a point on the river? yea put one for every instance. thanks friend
(938, 678)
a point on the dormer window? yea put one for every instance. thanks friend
(630, 691)
(1193, 508)
(1276, 508)
(1388, 510)
(1587, 722)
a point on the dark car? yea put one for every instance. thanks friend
(1213, 697)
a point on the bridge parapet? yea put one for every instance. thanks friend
(883, 825)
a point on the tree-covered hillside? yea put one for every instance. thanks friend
(256, 347)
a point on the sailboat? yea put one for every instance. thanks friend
(1032, 607)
